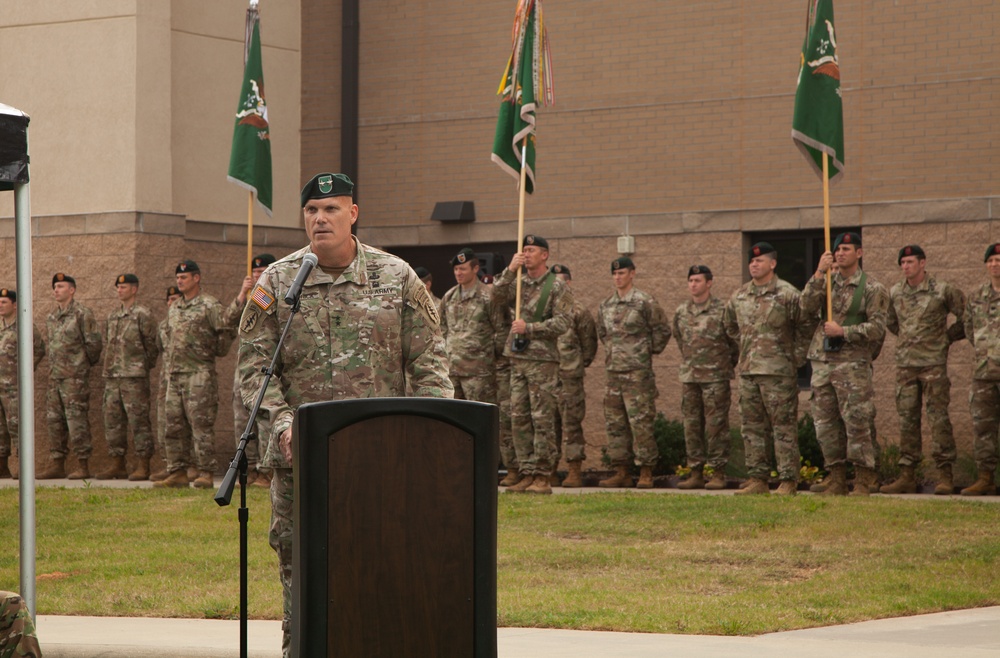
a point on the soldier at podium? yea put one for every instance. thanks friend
(368, 328)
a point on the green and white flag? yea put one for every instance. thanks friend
(250, 158)
(526, 80)
(818, 122)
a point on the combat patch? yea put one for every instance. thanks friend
(261, 298)
(249, 321)
(425, 303)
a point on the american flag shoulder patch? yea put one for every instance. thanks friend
(262, 298)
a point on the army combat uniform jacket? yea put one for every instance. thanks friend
(632, 329)
(130, 343)
(708, 353)
(196, 335)
(74, 341)
(982, 328)
(768, 325)
(919, 316)
(555, 319)
(470, 323)
(862, 341)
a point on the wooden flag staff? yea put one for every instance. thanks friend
(826, 235)
(520, 226)
(250, 234)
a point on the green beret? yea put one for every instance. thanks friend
(463, 256)
(910, 250)
(171, 291)
(536, 241)
(59, 276)
(263, 260)
(127, 278)
(847, 238)
(422, 272)
(700, 269)
(561, 269)
(992, 250)
(186, 266)
(326, 185)
(623, 263)
(762, 248)
(9, 294)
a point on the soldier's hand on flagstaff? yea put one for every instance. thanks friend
(833, 330)
(244, 289)
(516, 261)
(285, 444)
(519, 327)
(825, 263)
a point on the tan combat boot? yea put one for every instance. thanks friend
(554, 480)
(513, 477)
(540, 485)
(863, 479)
(82, 471)
(574, 479)
(176, 480)
(836, 481)
(718, 481)
(945, 485)
(115, 471)
(192, 473)
(56, 470)
(694, 481)
(645, 478)
(204, 480)
(141, 471)
(522, 484)
(160, 475)
(820, 486)
(984, 486)
(621, 478)
(263, 480)
(787, 488)
(4, 469)
(252, 476)
(905, 483)
(754, 486)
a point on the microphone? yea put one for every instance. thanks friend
(309, 261)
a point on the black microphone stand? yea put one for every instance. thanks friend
(238, 468)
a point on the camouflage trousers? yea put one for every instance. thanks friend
(126, 407)
(769, 407)
(843, 409)
(241, 416)
(914, 387)
(705, 406)
(533, 405)
(191, 406)
(569, 420)
(984, 404)
(507, 453)
(479, 388)
(629, 413)
(10, 421)
(280, 539)
(161, 426)
(17, 630)
(67, 415)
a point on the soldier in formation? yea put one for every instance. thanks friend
(9, 411)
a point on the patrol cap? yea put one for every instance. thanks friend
(127, 278)
(262, 260)
(623, 263)
(536, 241)
(326, 185)
(762, 248)
(847, 238)
(992, 250)
(910, 250)
(187, 266)
(171, 291)
(59, 276)
(9, 294)
(700, 269)
(561, 269)
(422, 273)
(463, 256)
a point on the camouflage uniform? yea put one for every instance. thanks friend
(982, 329)
(535, 371)
(17, 630)
(9, 413)
(196, 335)
(74, 344)
(577, 347)
(632, 329)
(469, 324)
(130, 338)
(919, 316)
(708, 355)
(372, 332)
(765, 322)
(507, 453)
(843, 397)
(241, 414)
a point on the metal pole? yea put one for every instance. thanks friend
(26, 391)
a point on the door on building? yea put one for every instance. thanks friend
(493, 257)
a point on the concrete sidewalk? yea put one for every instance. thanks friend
(965, 633)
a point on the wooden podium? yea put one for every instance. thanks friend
(395, 513)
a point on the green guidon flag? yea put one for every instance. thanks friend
(250, 159)
(818, 122)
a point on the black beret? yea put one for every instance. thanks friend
(463, 256)
(561, 269)
(326, 185)
(9, 294)
(171, 291)
(127, 278)
(762, 248)
(263, 260)
(186, 266)
(422, 272)
(910, 250)
(700, 269)
(59, 276)
(847, 238)
(623, 263)
(992, 250)
(536, 241)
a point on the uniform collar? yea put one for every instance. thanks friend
(923, 286)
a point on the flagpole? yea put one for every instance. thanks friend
(250, 234)
(826, 235)
(520, 225)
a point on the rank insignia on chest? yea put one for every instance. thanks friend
(262, 298)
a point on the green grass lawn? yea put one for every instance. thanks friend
(627, 562)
